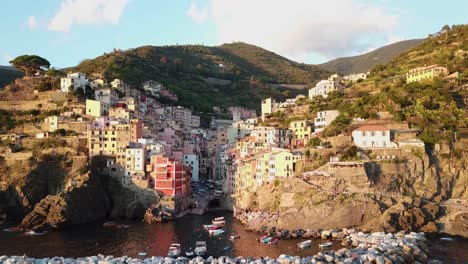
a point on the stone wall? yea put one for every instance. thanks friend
(27, 105)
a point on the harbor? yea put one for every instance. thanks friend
(139, 241)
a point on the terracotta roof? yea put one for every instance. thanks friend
(372, 128)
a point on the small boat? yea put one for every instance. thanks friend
(34, 233)
(11, 229)
(273, 241)
(265, 239)
(200, 248)
(174, 251)
(219, 221)
(326, 244)
(305, 244)
(190, 253)
(447, 238)
(234, 237)
(209, 226)
(142, 254)
(214, 227)
(226, 248)
(216, 232)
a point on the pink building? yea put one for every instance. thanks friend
(169, 176)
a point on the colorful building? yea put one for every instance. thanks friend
(426, 73)
(96, 108)
(301, 131)
(169, 176)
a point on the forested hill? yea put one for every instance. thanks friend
(365, 62)
(188, 71)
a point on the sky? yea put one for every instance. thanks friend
(68, 31)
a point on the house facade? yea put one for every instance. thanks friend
(324, 87)
(96, 108)
(373, 137)
(324, 118)
(169, 176)
(426, 73)
(75, 80)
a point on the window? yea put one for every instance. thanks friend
(373, 134)
(363, 133)
(383, 133)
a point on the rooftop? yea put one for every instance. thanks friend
(372, 128)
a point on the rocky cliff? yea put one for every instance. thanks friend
(411, 194)
(57, 191)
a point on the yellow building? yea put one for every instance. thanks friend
(269, 106)
(281, 164)
(301, 131)
(426, 73)
(96, 108)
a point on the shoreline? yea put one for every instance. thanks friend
(378, 247)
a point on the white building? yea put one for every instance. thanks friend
(324, 118)
(135, 161)
(192, 160)
(324, 87)
(121, 86)
(106, 95)
(279, 138)
(373, 137)
(354, 77)
(77, 80)
(98, 83)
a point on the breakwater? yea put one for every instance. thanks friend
(379, 247)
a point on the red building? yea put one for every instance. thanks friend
(169, 176)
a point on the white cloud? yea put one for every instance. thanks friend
(31, 22)
(199, 16)
(87, 12)
(301, 28)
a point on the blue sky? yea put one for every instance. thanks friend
(68, 31)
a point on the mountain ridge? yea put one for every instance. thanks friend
(366, 61)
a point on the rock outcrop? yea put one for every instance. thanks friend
(82, 203)
(52, 193)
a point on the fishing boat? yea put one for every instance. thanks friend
(209, 226)
(216, 232)
(200, 248)
(142, 254)
(219, 221)
(325, 245)
(305, 244)
(265, 239)
(234, 237)
(174, 251)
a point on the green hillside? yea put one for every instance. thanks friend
(364, 62)
(8, 75)
(437, 108)
(184, 69)
(447, 48)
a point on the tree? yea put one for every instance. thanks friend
(30, 64)
(52, 72)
